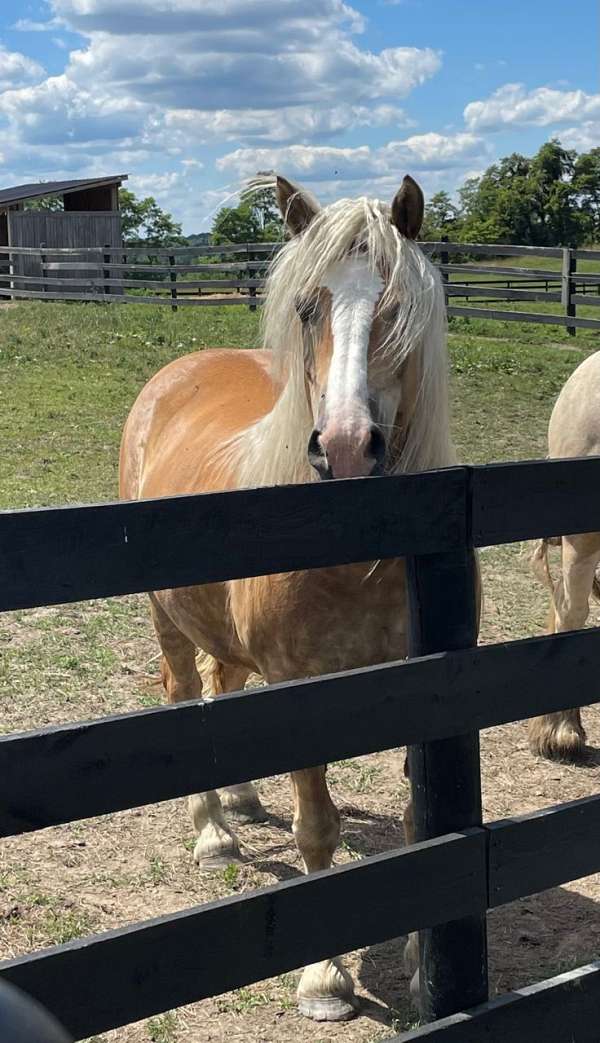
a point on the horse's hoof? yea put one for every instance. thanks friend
(218, 861)
(210, 856)
(246, 814)
(327, 1008)
(564, 742)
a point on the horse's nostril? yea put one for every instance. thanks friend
(377, 445)
(314, 445)
(317, 456)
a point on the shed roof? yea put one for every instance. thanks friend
(18, 193)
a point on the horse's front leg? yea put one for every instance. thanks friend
(326, 990)
(216, 845)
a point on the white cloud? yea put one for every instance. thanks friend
(57, 112)
(209, 16)
(512, 104)
(196, 71)
(16, 68)
(178, 74)
(582, 138)
(27, 25)
(293, 123)
(430, 152)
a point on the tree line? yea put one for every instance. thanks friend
(549, 199)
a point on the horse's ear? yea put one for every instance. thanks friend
(298, 207)
(408, 208)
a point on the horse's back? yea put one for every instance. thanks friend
(574, 428)
(184, 413)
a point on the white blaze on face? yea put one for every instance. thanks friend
(346, 436)
(355, 289)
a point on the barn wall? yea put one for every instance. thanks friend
(4, 266)
(101, 198)
(69, 229)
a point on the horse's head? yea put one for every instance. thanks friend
(357, 291)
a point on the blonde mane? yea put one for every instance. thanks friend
(274, 450)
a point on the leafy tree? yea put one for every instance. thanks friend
(586, 181)
(143, 220)
(550, 199)
(52, 203)
(442, 217)
(255, 220)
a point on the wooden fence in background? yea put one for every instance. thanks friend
(435, 702)
(235, 274)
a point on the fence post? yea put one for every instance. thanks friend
(106, 271)
(445, 259)
(569, 267)
(445, 776)
(252, 291)
(173, 278)
(43, 260)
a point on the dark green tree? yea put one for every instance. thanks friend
(442, 217)
(52, 203)
(550, 199)
(143, 220)
(255, 220)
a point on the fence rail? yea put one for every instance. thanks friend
(435, 703)
(102, 274)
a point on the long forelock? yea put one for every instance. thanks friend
(412, 293)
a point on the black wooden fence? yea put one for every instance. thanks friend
(233, 273)
(435, 703)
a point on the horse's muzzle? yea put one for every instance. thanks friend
(336, 454)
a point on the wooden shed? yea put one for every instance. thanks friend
(90, 217)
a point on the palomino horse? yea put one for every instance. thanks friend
(352, 380)
(574, 430)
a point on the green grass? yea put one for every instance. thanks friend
(69, 374)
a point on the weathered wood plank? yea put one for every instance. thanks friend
(501, 294)
(495, 249)
(67, 772)
(500, 269)
(522, 501)
(148, 251)
(534, 852)
(522, 316)
(95, 984)
(154, 284)
(584, 277)
(58, 266)
(590, 300)
(563, 1009)
(100, 298)
(55, 555)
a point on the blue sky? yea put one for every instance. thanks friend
(191, 96)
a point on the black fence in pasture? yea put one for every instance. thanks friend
(235, 274)
(435, 703)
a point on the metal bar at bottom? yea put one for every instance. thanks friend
(446, 778)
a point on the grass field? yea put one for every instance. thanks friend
(68, 375)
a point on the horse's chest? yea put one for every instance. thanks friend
(309, 623)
